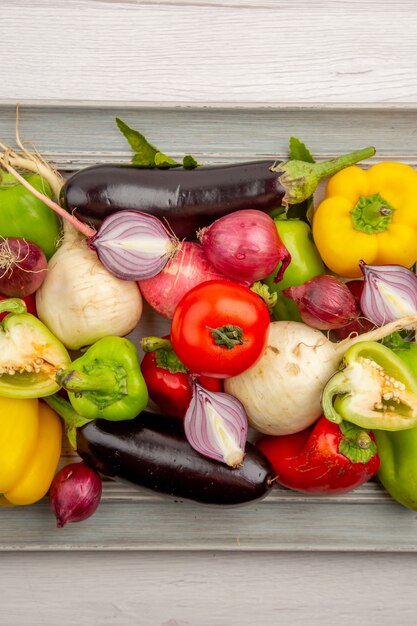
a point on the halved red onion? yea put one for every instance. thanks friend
(389, 293)
(216, 425)
(133, 245)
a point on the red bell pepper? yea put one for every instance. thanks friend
(167, 379)
(325, 458)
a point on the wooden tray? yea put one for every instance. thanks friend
(74, 136)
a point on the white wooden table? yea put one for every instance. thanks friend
(225, 80)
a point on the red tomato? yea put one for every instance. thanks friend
(322, 459)
(30, 302)
(220, 329)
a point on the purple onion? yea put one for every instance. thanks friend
(75, 493)
(389, 293)
(216, 426)
(133, 245)
(245, 246)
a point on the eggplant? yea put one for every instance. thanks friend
(185, 199)
(152, 451)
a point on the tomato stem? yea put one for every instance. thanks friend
(228, 336)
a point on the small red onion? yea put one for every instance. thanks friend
(216, 426)
(389, 293)
(75, 493)
(324, 302)
(245, 246)
(23, 267)
(133, 245)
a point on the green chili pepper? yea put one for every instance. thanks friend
(305, 264)
(30, 354)
(374, 389)
(398, 450)
(23, 215)
(106, 382)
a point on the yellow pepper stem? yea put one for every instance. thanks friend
(372, 214)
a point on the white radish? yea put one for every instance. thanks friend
(282, 391)
(80, 301)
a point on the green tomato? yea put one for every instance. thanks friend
(23, 215)
(305, 264)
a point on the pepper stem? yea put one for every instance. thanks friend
(13, 305)
(372, 214)
(300, 178)
(356, 444)
(228, 336)
(150, 344)
(104, 380)
(71, 418)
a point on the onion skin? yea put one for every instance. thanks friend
(186, 270)
(75, 493)
(151, 451)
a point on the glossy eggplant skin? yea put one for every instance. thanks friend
(151, 451)
(186, 199)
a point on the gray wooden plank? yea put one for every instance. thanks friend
(209, 589)
(75, 136)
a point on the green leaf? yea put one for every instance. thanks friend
(144, 151)
(162, 160)
(302, 210)
(269, 297)
(299, 151)
(189, 162)
(148, 155)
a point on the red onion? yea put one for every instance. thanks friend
(216, 426)
(75, 493)
(186, 270)
(245, 246)
(130, 244)
(23, 267)
(324, 302)
(390, 292)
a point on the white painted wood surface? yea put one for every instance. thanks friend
(210, 50)
(296, 67)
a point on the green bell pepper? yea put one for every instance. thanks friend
(23, 215)
(398, 450)
(30, 354)
(374, 389)
(305, 264)
(106, 382)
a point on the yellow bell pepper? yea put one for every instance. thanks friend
(368, 215)
(30, 447)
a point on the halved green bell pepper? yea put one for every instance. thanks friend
(106, 382)
(398, 450)
(373, 389)
(23, 215)
(30, 354)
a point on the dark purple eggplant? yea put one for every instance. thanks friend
(186, 199)
(189, 199)
(152, 451)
